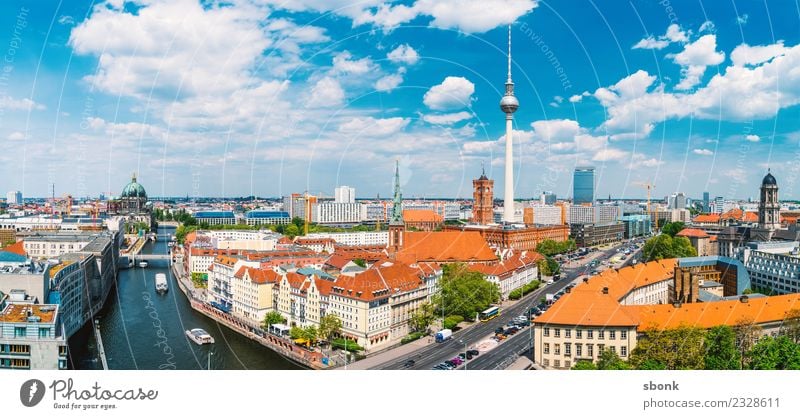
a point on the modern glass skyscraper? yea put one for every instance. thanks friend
(706, 203)
(583, 185)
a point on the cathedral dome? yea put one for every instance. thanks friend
(769, 180)
(133, 190)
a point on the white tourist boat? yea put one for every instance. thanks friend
(143, 264)
(161, 283)
(199, 336)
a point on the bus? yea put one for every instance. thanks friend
(490, 313)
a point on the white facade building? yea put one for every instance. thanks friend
(772, 265)
(344, 195)
(356, 238)
(336, 213)
(14, 198)
(547, 214)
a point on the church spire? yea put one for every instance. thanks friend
(397, 202)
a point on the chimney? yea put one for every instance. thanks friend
(676, 304)
(605, 290)
(586, 279)
(744, 298)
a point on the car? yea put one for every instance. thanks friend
(498, 330)
(550, 281)
(438, 367)
(469, 357)
(462, 355)
(474, 352)
(457, 361)
(450, 364)
(410, 363)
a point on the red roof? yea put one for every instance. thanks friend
(693, 233)
(421, 216)
(509, 265)
(16, 248)
(381, 281)
(445, 246)
(258, 276)
(706, 218)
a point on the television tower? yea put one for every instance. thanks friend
(509, 104)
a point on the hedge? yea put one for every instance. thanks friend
(350, 345)
(411, 337)
(452, 321)
(523, 290)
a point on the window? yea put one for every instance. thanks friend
(600, 334)
(546, 349)
(557, 332)
(546, 362)
(558, 349)
(578, 350)
(567, 364)
(623, 350)
(590, 334)
(20, 332)
(613, 349)
(547, 331)
(590, 350)
(568, 333)
(623, 334)
(612, 334)
(44, 332)
(557, 363)
(600, 348)
(568, 349)
(579, 334)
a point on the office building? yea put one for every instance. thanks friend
(14, 198)
(706, 203)
(547, 198)
(261, 217)
(336, 213)
(637, 225)
(583, 185)
(344, 195)
(30, 336)
(215, 217)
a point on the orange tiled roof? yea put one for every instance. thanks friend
(258, 276)
(750, 217)
(421, 216)
(226, 260)
(379, 282)
(16, 248)
(337, 261)
(693, 232)
(445, 246)
(508, 266)
(706, 218)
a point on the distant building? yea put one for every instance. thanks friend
(547, 198)
(258, 217)
(424, 220)
(515, 237)
(31, 336)
(344, 195)
(587, 235)
(704, 243)
(483, 200)
(718, 206)
(336, 213)
(772, 265)
(215, 217)
(583, 185)
(14, 198)
(706, 203)
(677, 201)
(545, 215)
(594, 214)
(637, 225)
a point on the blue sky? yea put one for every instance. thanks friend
(270, 97)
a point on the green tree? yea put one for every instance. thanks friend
(296, 332)
(682, 248)
(329, 325)
(651, 364)
(721, 351)
(676, 349)
(548, 266)
(778, 353)
(584, 365)
(271, 318)
(791, 325)
(422, 317)
(747, 334)
(292, 231)
(673, 228)
(609, 360)
(464, 292)
(664, 246)
(310, 334)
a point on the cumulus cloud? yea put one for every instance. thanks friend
(474, 16)
(751, 55)
(343, 64)
(403, 54)
(752, 138)
(389, 82)
(694, 59)
(16, 136)
(447, 119)
(674, 34)
(452, 93)
(703, 152)
(374, 127)
(326, 92)
(24, 104)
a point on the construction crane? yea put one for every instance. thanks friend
(649, 187)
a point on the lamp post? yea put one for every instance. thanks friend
(208, 362)
(465, 353)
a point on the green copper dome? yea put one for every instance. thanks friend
(133, 190)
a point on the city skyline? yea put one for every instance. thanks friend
(286, 109)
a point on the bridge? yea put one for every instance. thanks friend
(137, 258)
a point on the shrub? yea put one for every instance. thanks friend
(523, 290)
(346, 344)
(411, 337)
(451, 321)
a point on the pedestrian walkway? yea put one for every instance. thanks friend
(522, 363)
(389, 355)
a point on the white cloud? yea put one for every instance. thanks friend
(389, 82)
(386, 16)
(474, 16)
(16, 136)
(752, 138)
(327, 92)
(674, 34)
(24, 104)
(447, 119)
(703, 152)
(707, 26)
(742, 20)
(66, 20)
(342, 64)
(373, 127)
(694, 59)
(610, 154)
(556, 130)
(452, 93)
(575, 98)
(750, 55)
(403, 54)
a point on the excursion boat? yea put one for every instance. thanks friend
(161, 283)
(199, 336)
(143, 264)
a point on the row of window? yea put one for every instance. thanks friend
(612, 334)
(623, 350)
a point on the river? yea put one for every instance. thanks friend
(142, 329)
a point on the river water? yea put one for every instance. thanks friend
(142, 329)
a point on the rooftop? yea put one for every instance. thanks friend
(21, 313)
(214, 214)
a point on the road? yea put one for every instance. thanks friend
(508, 350)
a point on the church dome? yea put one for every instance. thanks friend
(769, 180)
(133, 190)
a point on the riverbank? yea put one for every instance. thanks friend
(284, 347)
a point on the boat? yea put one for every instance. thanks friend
(199, 336)
(143, 264)
(161, 283)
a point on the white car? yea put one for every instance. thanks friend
(550, 281)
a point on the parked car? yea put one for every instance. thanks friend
(457, 361)
(410, 363)
(474, 352)
(498, 330)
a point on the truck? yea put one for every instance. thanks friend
(443, 335)
(549, 298)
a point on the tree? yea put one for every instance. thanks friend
(584, 364)
(609, 360)
(329, 325)
(550, 247)
(422, 317)
(292, 231)
(791, 325)
(664, 246)
(271, 318)
(721, 351)
(778, 353)
(651, 364)
(676, 349)
(548, 266)
(747, 334)
(682, 248)
(673, 228)
(311, 334)
(464, 292)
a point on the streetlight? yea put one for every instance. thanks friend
(465, 353)
(208, 363)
